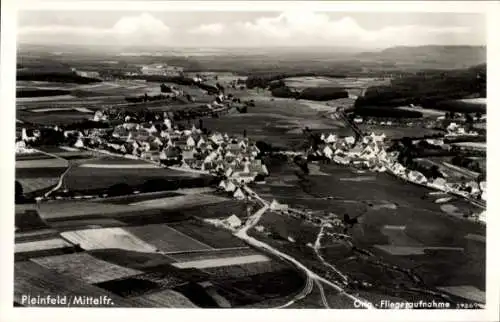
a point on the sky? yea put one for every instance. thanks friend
(251, 29)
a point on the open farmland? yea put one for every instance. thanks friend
(208, 234)
(381, 206)
(53, 117)
(138, 261)
(276, 121)
(167, 239)
(395, 132)
(31, 278)
(38, 172)
(354, 86)
(85, 267)
(151, 236)
(102, 174)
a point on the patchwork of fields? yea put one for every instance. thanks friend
(172, 261)
(397, 223)
(38, 172)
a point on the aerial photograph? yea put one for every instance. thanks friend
(250, 159)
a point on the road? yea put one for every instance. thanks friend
(242, 233)
(61, 178)
(341, 115)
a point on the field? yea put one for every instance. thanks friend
(452, 173)
(210, 235)
(167, 239)
(83, 100)
(155, 264)
(101, 174)
(85, 267)
(276, 121)
(31, 278)
(395, 132)
(398, 223)
(354, 86)
(38, 172)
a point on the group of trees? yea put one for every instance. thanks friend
(48, 76)
(264, 80)
(382, 111)
(157, 184)
(146, 98)
(427, 89)
(469, 163)
(309, 93)
(40, 92)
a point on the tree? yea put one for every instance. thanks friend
(154, 185)
(120, 189)
(434, 172)
(19, 192)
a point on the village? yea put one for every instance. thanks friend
(162, 143)
(371, 152)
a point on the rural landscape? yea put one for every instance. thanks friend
(269, 177)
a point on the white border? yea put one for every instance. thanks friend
(7, 128)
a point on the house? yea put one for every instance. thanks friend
(169, 153)
(217, 138)
(20, 145)
(242, 145)
(152, 129)
(243, 177)
(368, 153)
(264, 170)
(276, 206)
(233, 221)
(331, 139)
(238, 194)
(341, 160)
(167, 123)
(188, 155)
(327, 152)
(254, 150)
(230, 186)
(27, 135)
(201, 142)
(131, 126)
(350, 140)
(190, 143)
(417, 177)
(99, 116)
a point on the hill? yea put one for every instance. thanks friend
(427, 88)
(429, 57)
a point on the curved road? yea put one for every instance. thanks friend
(311, 276)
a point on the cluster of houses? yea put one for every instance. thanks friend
(454, 129)
(217, 153)
(370, 153)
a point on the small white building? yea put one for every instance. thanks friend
(328, 152)
(230, 187)
(233, 221)
(331, 139)
(238, 194)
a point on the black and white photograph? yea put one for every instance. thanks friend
(288, 157)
